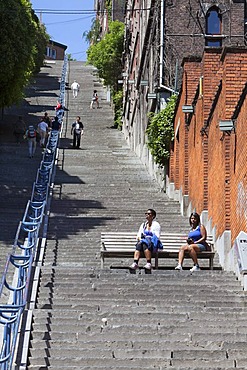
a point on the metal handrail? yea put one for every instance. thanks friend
(26, 241)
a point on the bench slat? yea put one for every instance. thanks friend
(122, 245)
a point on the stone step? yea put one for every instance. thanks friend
(141, 343)
(98, 305)
(69, 285)
(198, 338)
(108, 353)
(142, 353)
(139, 281)
(115, 363)
(213, 318)
(159, 343)
(127, 366)
(138, 327)
(216, 280)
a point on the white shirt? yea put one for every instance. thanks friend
(43, 126)
(155, 229)
(75, 86)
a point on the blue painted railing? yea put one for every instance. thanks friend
(19, 262)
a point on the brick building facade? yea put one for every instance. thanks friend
(208, 170)
(159, 34)
(191, 25)
(55, 51)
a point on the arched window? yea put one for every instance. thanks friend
(213, 27)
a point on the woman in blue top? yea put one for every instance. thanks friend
(196, 242)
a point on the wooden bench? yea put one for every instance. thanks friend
(122, 245)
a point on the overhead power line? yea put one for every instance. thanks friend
(67, 12)
(82, 11)
(70, 21)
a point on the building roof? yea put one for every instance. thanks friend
(55, 43)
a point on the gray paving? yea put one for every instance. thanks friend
(88, 318)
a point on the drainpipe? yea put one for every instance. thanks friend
(161, 40)
(162, 22)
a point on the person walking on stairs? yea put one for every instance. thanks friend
(95, 100)
(147, 240)
(43, 131)
(75, 87)
(30, 135)
(77, 132)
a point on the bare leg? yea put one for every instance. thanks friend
(181, 254)
(148, 254)
(193, 249)
(137, 255)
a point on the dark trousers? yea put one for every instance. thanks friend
(76, 140)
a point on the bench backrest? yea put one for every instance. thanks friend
(126, 241)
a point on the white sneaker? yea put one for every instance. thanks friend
(195, 268)
(148, 266)
(179, 267)
(134, 266)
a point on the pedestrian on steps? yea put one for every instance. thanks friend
(147, 240)
(47, 119)
(196, 242)
(30, 135)
(43, 131)
(75, 87)
(77, 132)
(95, 100)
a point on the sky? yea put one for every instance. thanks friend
(67, 29)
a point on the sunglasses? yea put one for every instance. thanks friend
(148, 213)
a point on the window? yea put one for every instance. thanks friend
(54, 54)
(51, 52)
(47, 51)
(213, 27)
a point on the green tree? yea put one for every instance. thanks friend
(118, 108)
(93, 35)
(22, 39)
(70, 58)
(41, 41)
(160, 132)
(106, 55)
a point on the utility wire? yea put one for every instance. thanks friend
(71, 20)
(83, 11)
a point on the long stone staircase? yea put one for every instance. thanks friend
(88, 318)
(99, 320)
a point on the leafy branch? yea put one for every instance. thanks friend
(160, 132)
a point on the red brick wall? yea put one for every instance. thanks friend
(239, 174)
(206, 164)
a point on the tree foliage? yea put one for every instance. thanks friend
(118, 108)
(41, 41)
(106, 55)
(93, 35)
(108, 5)
(70, 58)
(160, 132)
(22, 47)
